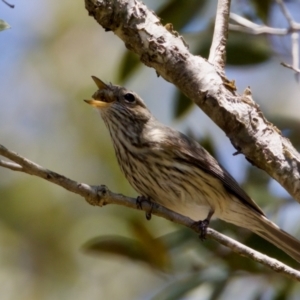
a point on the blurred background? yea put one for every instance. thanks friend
(53, 245)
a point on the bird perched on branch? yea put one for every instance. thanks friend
(168, 167)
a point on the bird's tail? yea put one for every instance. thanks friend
(272, 233)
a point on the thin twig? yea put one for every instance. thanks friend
(243, 250)
(217, 54)
(101, 195)
(295, 52)
(8, 4)
(294, 36)
(10, 165)
(247, 26)
(286, 13)
(290, 67)
(250, 27)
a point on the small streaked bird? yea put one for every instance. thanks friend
(170, 168)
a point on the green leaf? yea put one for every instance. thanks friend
(154, 248)
(179, 288)
(289, 126)
(130, 249)
(178, 238)
(129, 64)
(262, 8)
(246, 49)
(182, 105)
(219, 288)
(204, 40)
(241, 48)
(284, 291)
(183, 285)
(180, 12)
(207, 143)
(116, 245)
(4, 25)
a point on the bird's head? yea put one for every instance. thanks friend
(119, 105)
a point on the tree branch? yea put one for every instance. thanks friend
(247, 26)
(101, 195)
(217, 54)
(8, 4)
(250, 27)
(288, 16)
(290, 67)
(238, 115)
(10, 165)
(294, 36)
(293, 29)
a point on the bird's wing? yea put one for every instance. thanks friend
(191, 153)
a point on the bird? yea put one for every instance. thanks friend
(167, 167)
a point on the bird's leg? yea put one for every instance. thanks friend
(202, 225)
(139, 205)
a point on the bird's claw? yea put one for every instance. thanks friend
(139, 205)
(202, 227)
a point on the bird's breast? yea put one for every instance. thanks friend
(181, 187)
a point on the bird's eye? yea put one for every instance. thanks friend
(129, 98)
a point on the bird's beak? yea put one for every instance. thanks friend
(100, 84)
(97, 103)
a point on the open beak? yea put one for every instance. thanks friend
(100, 84)
(97, 103)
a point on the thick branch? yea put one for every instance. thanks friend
(217, 54)
(101, 195)
(241, 119)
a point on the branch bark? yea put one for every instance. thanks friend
(237, 115)
(217, 53)
(101, 195)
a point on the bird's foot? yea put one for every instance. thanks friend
(139, 205)
(202, 227)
